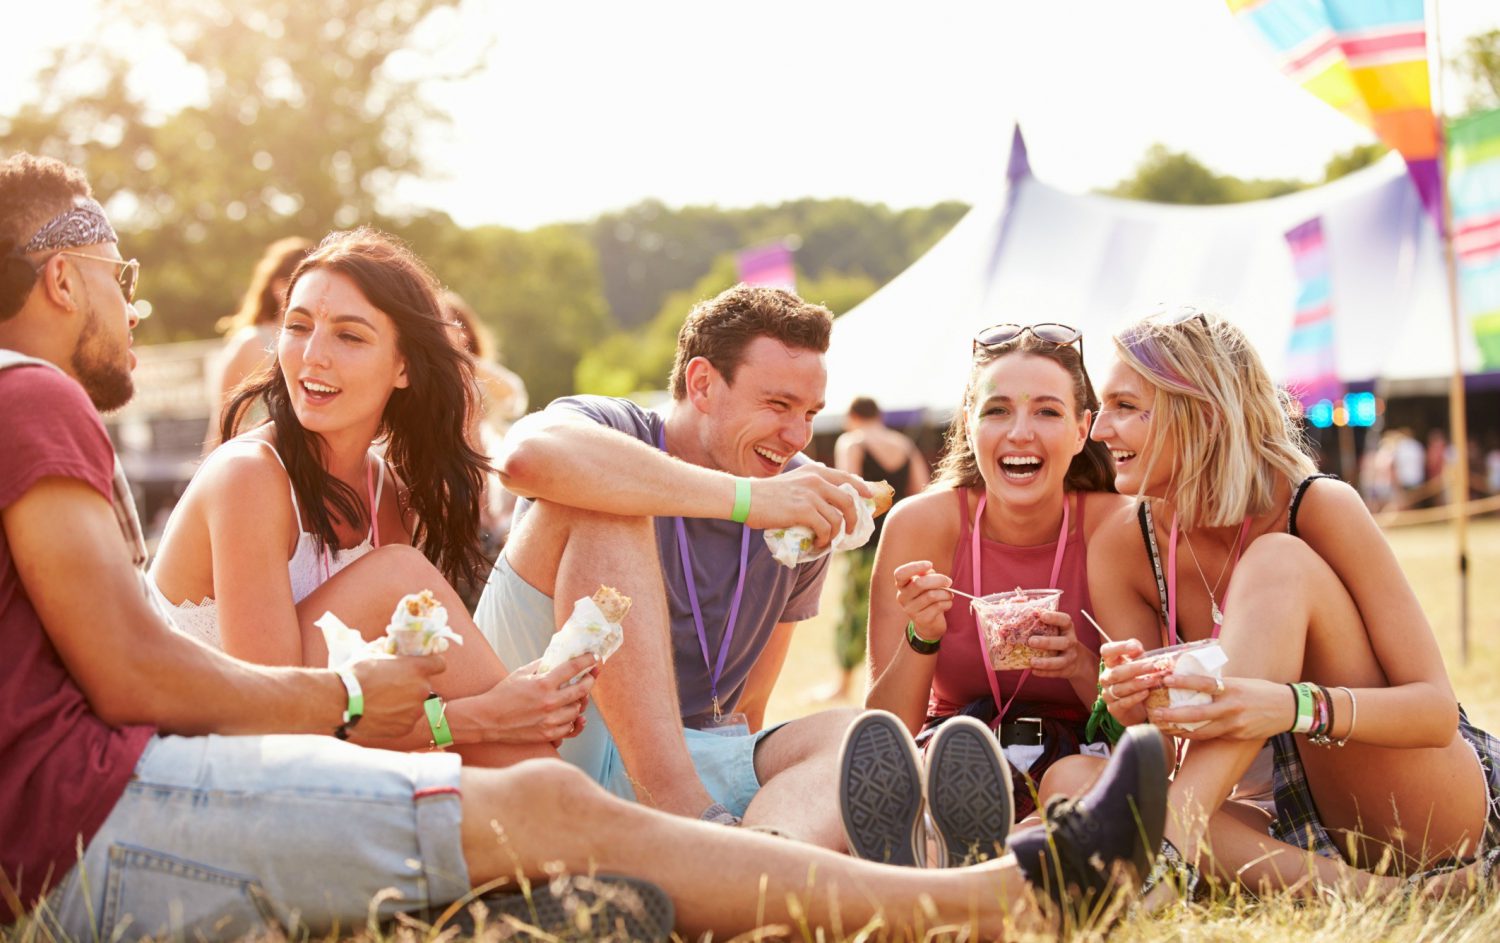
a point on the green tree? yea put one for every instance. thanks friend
(1355, 158)
(1165, 176)
(301, 123)
(1479, 65)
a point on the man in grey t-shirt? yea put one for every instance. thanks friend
(682, 702)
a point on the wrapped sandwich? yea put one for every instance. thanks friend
(592, 629)
(793, 545)
(418, 626)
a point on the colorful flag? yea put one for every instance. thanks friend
(1368, 59)
(769, 265)
(1474, 191)
(1311, 366)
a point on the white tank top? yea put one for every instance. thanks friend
(308, 569)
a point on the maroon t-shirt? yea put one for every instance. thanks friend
(62, 769)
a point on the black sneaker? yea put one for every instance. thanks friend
(1076, 857)
(573, 907)
(880, 791)
(968, 792)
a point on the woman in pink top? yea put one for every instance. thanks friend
(1019, 463)
(301, 514)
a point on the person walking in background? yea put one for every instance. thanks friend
(875, 452)
(250, 333)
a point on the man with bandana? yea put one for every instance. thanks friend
(105, 712)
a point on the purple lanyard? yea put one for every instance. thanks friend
(716, 669)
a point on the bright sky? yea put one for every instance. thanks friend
(584, 107)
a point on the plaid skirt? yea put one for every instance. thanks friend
(1297, 820)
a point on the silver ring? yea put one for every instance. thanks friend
(1218, 686)
(1111, 692)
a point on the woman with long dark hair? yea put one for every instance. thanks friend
(1018, 494)
(301, 514)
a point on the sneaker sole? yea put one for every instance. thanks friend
(969, 791)
(880, 790)
(578, 907)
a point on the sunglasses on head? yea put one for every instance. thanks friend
(1180, 314)
(999, 335)
(128, 276)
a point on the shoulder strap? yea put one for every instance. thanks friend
(1148, 534)
(296, 508)
(1297, 495)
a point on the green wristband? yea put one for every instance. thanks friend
(1304, 721)
(920, 645)
(437, 719)
(741, 501)
(355, 708)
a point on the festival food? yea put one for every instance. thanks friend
(418, 626)
(592, 629)
(794, 545)
(1008, 620)
(1205, 658)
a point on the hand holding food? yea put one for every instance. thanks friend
(1009, 620)
(418, 626)
(794, 545)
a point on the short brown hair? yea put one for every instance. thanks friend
(720, 329)
(32, 191)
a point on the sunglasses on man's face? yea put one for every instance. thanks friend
(128, 276)
(999, 335)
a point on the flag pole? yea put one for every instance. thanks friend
(1457, 404)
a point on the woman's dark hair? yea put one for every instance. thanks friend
(423, 424)
(1090, 470)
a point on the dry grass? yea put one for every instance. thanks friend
(1427, 554)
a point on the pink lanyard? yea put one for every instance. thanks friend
(1239, 545)
(1057, 559)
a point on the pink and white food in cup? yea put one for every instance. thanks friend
(1008, 620)
(1205, 658)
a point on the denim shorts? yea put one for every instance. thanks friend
(221, 837)
(517, 620)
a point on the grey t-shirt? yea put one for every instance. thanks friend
(773, 593)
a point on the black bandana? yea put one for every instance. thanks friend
(83, 224)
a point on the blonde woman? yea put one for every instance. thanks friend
(1332, 666)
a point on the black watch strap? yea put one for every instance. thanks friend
(919, 644)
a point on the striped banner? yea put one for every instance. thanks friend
(1368, 59)
(769, 265)
(1474, 190)
(1311, 363)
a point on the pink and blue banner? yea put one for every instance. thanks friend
(769, 265)
(1474, 192)
(1311, 364)
(1368, 59)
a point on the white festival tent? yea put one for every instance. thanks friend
(1035, 253)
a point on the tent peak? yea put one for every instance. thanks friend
(1020, 164)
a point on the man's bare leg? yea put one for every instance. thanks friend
(566, 553)
(798, 767)
(541, 816)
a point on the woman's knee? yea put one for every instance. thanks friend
(537, 785)
(1069, 776)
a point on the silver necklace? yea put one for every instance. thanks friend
(1213, 591)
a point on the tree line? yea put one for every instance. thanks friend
(302, 115)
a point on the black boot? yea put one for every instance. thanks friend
(1086, 845)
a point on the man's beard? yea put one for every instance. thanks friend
(104, 374)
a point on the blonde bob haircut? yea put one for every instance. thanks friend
(1236, 434)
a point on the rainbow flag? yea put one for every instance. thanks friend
(1368, 59)
(1474, 191)
(769, 265)
(1311, 365)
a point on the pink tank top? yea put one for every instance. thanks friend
(960, 675)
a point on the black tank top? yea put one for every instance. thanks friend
(898, 478)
